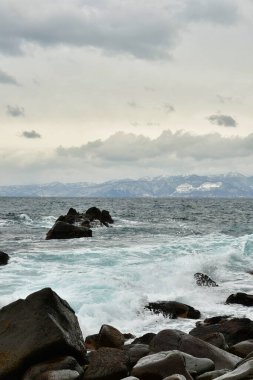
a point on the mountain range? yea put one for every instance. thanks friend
(231, 185)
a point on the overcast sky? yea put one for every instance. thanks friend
(93, 90)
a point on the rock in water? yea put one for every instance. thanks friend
(204, 280)
(62, 230)
(4, 258)
(36, 329)
(241, 298)
(173, 309)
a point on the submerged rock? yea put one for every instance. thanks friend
(63, 230)
(204, 280)
(173, 309)
(241, 298)
(36, 329)
(4, 258)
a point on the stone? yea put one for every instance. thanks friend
(136, 352)
(235, 330)
(204, 280)
(243, 372)
(93, 213)
(36, 329)
(173, 309)
(243, 348)
(160, 365)
(108, 336)
(130, 378)
(212, 374)
(4, 258)
(63, 374)
(217, 339)
(63, 230)
(240, 298)
(144, 339)
(175, 377)
(106, 363)
(167, 340)
(106, 218)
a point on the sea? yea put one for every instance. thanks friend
(150, 253)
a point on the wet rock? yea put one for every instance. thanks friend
(212, 374)
(108, 336)
(130, 378)
(214, 320)
(173, 309)
(63, 374)
(241, 298)
(204, 280)
(4, 258)
(234, 330)
(175, 377)
(136, 352)
(93, 213)
(36, 329)
(106, 218)
(167, 340)
(62, 230)
(243, 348)
(243, 372)
(145, 339)
(161, 365)
(217, 339)
(106, 363)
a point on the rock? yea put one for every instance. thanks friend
(244, 372)
(167, 340)
(106, 218)
(173, 309)
(62, 230)
(63, 374)
(234, 330)
(93, 213)
(36, 329)
(4, 258)
(130, 378)
(204, 280)
(217, 339)
(136, 352)
(106, 363)
(108, 336)
(72, 211)
(212, 375)
(160, 365)
(243, 348)
(60, 363)
(241, 298)
(145, 339)
(175, 377)
(214, 320)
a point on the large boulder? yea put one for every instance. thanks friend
(108, 336)
(241, 298)
(63, 230)
(235, 330)
(144, 339)
(136, 352)
(36, 329)
(4, 258)
(167, 340)
(243, 348)
(242, 372)
(173, 309)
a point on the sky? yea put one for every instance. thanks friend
(94, 90)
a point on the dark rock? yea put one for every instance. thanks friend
(204, 280)
(167, 340)
(145, 339)
(91, 342)
(234, 330)
(128, 336)
(242, 372)
(160, 365)
(106, 217)
(93, 213)
(214, 320)
(106, 363)
(136, 352)
(108, 336)
(217, 339)
(175, 377)
(56, 364)
(212, 374)
(173, 309)
(72, 211)
(243, 348)
(62, 230)
(36, 329)
(241, 298)
(4, 258)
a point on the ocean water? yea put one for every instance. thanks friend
(151, 253)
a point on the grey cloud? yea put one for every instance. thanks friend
(225, 99)
(31, 135)
(222, 120)
(168, 108)
(148, 30)
(126, 148)
(7, 79)
(132, 104)
(15, 111)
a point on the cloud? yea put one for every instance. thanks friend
(7, 79)
(168, 107)
(132, 104)
(222, 120)
(143, 29)
(31, 135)
(15, 111)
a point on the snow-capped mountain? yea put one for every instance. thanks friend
(231, 185)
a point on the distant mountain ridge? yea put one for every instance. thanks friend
(230, 185)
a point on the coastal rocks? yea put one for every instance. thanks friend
(217, 339)
(106, 363)
(36, 329)
(204, 280)
(243, 348)
(63, 230)
(161, 365)
(4, 258)
(212, 374)
(242, 372)
(108, 336)
(144, 339)
(76, 225)
(167, 340)
(136, 352)
(173, 309)
(235, 330)
(240, 298)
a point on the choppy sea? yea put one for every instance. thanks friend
(151, 253)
